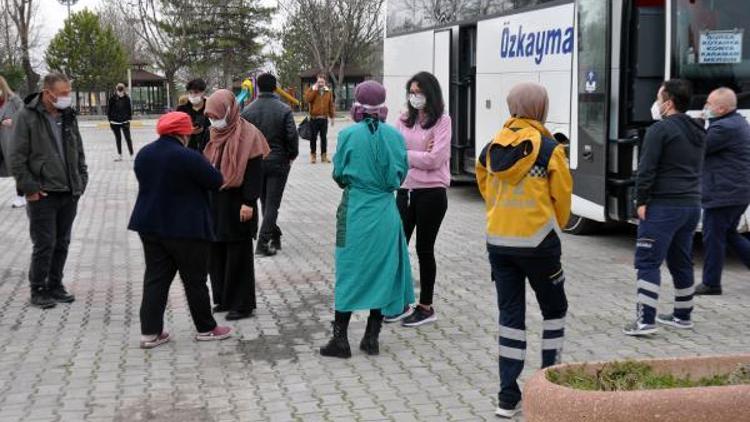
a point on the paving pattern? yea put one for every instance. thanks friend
(81, 362)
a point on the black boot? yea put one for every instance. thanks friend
(338, 346)
(369, 343)
(276, 239)
(264, 248)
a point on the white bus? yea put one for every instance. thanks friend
(600, 60)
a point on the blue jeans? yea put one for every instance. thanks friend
(720, 230)
(666, 234)
(547, 279)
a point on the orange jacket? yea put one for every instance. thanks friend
(321, 105)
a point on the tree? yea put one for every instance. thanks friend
(22, 13)
(226, 36)
(339, 32)
(111, 16)
(295, 56)
(87, 53)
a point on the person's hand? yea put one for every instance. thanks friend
(642, 212)
(430, 145)
(35, 196)
(246, 213)
(197, 130)
(7, 122)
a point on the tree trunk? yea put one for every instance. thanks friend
(340, 86)
(169, 76)
(32, 78)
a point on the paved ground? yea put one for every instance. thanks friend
(82, 361)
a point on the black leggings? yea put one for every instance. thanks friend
(424, 210)
(125, 127)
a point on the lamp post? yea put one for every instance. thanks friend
(68, 3)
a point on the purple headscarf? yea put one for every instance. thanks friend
(369, 98)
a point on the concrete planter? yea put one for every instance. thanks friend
(545, 401)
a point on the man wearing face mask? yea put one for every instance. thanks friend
(668, 197)
(49, 166)
(171, 180)
(726, 186)
(119, 114)
(321, 100)
(195, 108)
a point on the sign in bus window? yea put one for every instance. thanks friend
(720, 47)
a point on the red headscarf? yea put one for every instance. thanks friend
(231, 147)
(174, 123)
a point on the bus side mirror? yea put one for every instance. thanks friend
(561, 138)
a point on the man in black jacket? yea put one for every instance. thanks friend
(276, 121)
(120, 113)
(726, 186)
(195, 108)
(49, 166)
(668, 195)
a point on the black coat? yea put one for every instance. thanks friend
(669, 170)
(119, 109)
(226, 203)
(276, 121)
(199, 140)
(173, 191)
(726, 175)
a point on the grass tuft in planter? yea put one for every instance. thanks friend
(631, 375)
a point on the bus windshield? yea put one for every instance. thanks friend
(711, 45)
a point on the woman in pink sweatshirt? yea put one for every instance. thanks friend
(422, 199)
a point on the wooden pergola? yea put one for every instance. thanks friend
(148, 91)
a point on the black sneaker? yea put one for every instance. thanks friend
(60, 295)
(276, 242)
(704, 290)
(507, 410)
(673, 321)
(42, 301)
(419, 317)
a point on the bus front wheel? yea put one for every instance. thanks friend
(581, 226)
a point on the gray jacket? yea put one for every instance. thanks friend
(35, 161)
(7, 111)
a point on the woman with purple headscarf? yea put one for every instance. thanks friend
(372, 259)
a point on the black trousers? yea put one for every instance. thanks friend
(275, 174)
(319, 126)
(547, 279)
(164, 258)
(233, 275)
(423, 210)
(125, 128)
(50, 224)
(720, 231)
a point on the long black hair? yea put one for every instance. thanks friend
(434, 108)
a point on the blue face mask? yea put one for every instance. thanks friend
(708, 113)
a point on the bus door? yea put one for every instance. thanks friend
(591, 109)
(643, 58)
(462, 106)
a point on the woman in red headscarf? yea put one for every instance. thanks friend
(172, 216)
(236, 149)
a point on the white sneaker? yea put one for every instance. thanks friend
(505, 411)
(19, 202)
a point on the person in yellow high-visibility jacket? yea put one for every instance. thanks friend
(524, 178)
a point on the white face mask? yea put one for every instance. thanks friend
(219, 123)
(417, 101)
(1, 92)
(63, 102)
(120, 94)
(656, 111)
(195, 99)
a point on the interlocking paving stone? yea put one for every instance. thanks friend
(81, 362)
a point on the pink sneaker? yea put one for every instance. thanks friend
(149, 342)
(218, 333)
